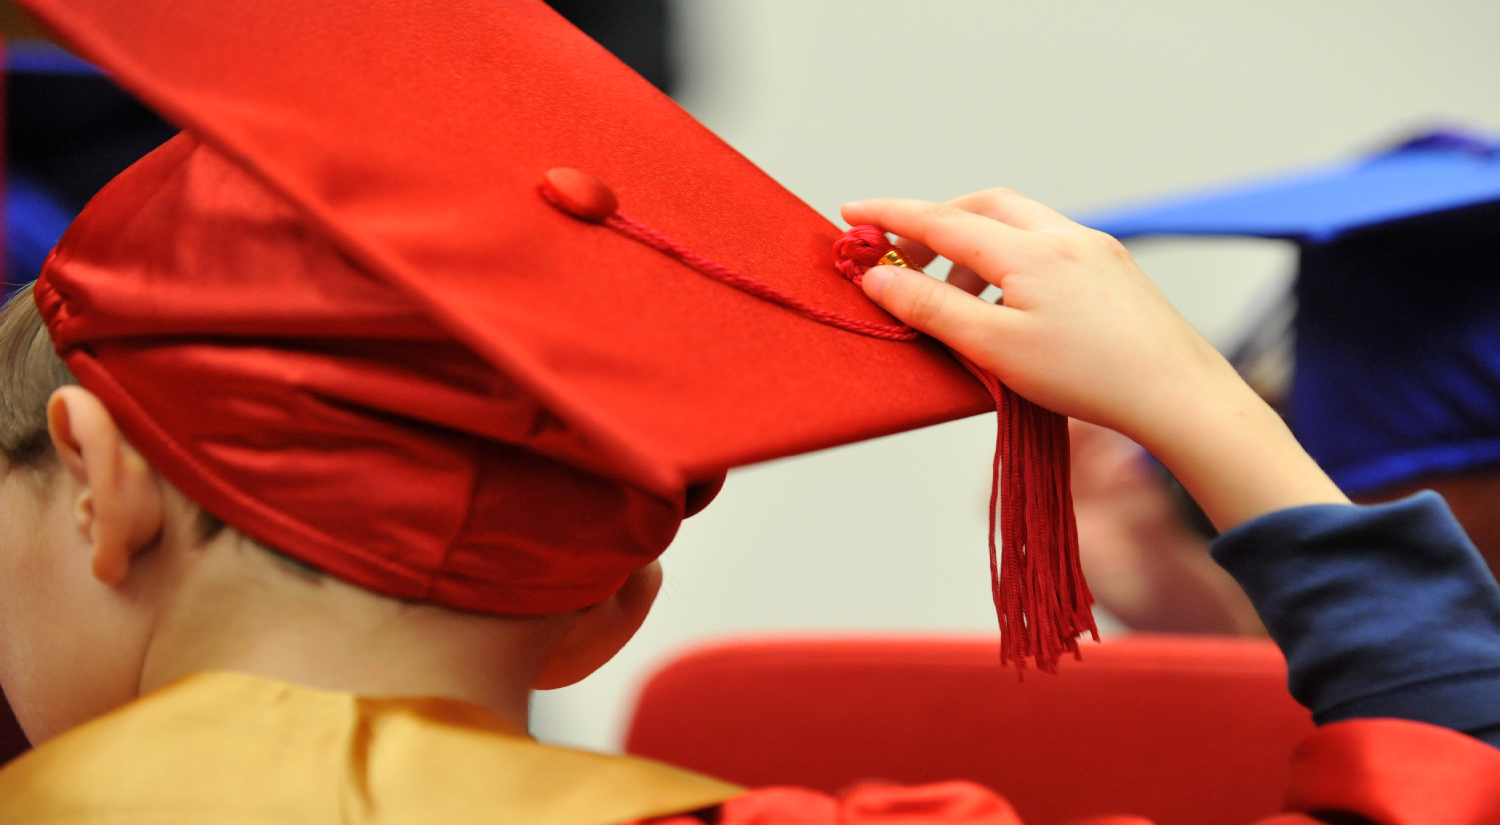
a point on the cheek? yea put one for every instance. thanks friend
(60, 660)
(29, 579)
(22, 574)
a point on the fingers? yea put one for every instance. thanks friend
(1003, 205)
(943, 311)
(966, 238)
(960, 276)
(1011, 207)
(967, 279)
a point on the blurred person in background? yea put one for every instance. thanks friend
(1384, 358)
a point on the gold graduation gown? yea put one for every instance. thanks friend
(244, 750)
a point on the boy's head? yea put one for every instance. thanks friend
(112, 581)
(338, 313)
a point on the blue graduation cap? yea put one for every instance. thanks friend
(41, 57)
(1432, 173)
(1397, 326)
(69, 130)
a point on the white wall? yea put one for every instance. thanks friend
(1078, 103)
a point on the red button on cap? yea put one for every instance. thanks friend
(579, 194)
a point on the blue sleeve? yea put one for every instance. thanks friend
(1382, 611)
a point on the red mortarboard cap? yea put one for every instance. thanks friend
(340, 313)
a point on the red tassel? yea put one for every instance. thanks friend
(1036, 579)
(1040, 595)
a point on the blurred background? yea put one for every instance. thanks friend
(1081, 104)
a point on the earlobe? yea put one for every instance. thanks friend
(599, 632)
(118, 506)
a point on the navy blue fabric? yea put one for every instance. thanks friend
(34, 222)
(1382, 611)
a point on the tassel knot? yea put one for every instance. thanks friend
(859, 249)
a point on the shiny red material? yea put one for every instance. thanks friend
(1459, 786)
(1165, 730)
(339, 313)
(948, 803)
(1397, 771)
(579, 194)
(1183, 730)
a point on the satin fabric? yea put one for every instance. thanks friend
(340, 315)
(319, 410)
(1378, 771)
(232, 748)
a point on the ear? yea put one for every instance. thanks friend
(117, 505)
(599, 632)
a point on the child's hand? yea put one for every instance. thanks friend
(1084, 332)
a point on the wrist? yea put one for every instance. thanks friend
(1235, 455)
(1203, 392)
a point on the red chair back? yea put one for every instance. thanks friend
(1183, 730)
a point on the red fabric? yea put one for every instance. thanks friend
(634, 229)
(341, 316)
(947, 803)
(270, 409)
(1181, 730)
(1397, 772)
(1171, 731)
(1378, 771)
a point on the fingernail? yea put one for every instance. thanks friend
(877, 279)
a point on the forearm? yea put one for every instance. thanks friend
(1083, 332)
(1231, 451)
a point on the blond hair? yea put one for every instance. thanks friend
(30, 371)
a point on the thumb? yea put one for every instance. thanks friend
(939, 309)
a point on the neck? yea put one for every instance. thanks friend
(239, 608)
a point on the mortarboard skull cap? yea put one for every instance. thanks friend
(346, 313)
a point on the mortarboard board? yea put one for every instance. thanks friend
(339, 312)
(1397, 327)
